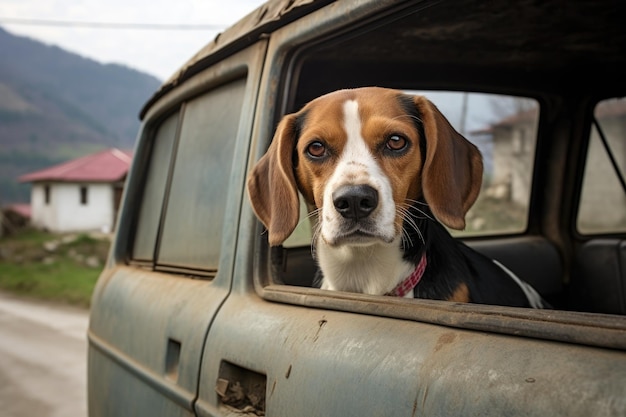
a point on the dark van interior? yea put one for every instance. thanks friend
(568, 68)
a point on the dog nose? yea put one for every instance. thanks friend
(355, 201)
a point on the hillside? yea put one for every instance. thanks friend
(56, 105)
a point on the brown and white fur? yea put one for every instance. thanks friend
(383, 170)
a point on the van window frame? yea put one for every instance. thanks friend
(287, 48)
(242, 65)
(594, 143)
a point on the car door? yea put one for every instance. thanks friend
(278, 347)
(171, 264)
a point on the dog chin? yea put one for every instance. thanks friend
(357, 238)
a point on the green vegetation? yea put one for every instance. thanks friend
(61, 268)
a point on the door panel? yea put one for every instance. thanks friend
(155, 300)
(327, 363)
(137, 317)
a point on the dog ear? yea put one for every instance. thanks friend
(453, 167)
(272, 185)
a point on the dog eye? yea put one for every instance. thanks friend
(316, 149)
(396, 143)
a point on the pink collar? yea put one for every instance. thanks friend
(411, 281)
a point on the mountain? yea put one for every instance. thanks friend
(56, 105)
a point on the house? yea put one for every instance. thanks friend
(79, 195)
(514, 147)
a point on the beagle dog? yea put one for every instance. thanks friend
(383, 171)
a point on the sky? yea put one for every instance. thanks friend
(84, 27)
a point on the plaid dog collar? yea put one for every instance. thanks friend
(411, 281)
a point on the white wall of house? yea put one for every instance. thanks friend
(42, 214)
(66, 213)
(513, 158)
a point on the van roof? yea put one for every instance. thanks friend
(566, 39)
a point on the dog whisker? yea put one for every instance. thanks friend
(406, 239)
(312, 214)
(316, 230)
(309, 216)
(407, 218)
(410, 200)
(410, 220)
(422, 213)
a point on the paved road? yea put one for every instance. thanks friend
(43, 351)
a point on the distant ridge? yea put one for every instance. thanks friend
(56, 105)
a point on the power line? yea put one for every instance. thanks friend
(108, 25)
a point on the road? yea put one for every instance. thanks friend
(43, 350)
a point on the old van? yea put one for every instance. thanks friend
(195, 315)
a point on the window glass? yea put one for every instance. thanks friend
(192, 230)
(83, 195)
(303, 232)
(602, 206)
(154, 190)
(504, 128)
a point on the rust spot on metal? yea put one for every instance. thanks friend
(424, 396)
(321, 323)
(444, 339)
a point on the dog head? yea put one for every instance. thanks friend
(362, 157)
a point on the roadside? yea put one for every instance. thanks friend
(43, 360)
(62, 268)
(69, 320)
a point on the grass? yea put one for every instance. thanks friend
(60, 268)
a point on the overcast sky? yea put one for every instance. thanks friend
(159, 52)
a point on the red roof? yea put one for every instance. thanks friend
(106, 166)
